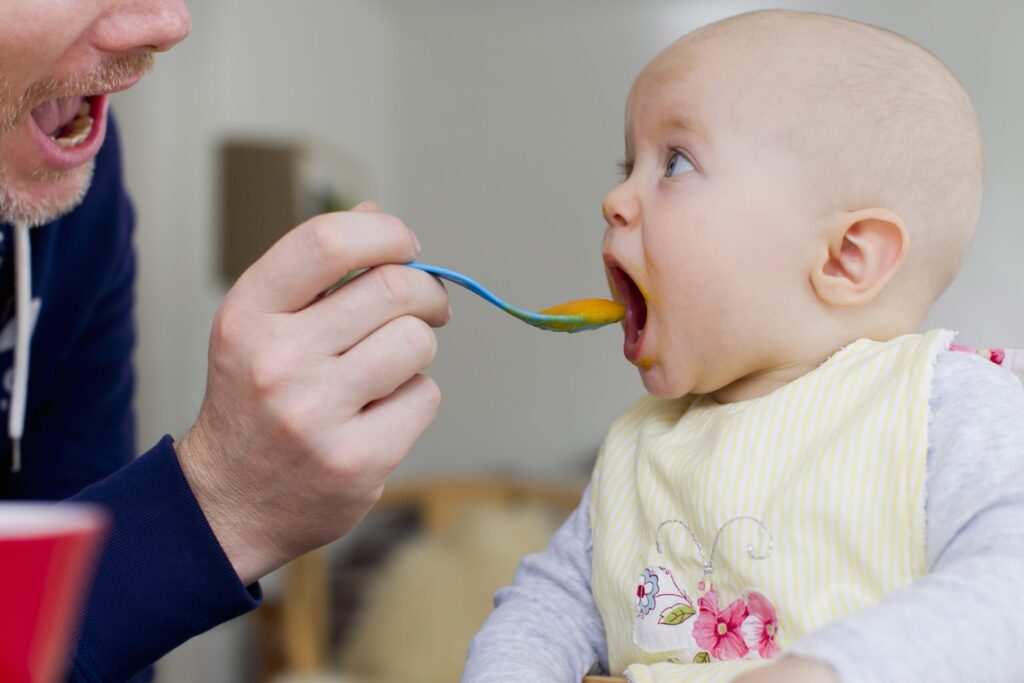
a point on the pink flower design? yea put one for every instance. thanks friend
(761, 625)
(997, 356)
(718, 631)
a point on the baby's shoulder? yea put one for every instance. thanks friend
(976, 435)
(966, 383)
(975, 444)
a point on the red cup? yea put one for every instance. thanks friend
(47, 557)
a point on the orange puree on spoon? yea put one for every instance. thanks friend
(596, 311)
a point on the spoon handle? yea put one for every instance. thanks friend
(574, 316)
(472, 285)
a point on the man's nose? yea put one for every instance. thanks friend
(151, 25)
(620, 207)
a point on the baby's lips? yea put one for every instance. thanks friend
(628, 293)
(611, 268)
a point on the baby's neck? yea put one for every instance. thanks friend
(766, 381)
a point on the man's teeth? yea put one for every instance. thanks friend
(78, 131)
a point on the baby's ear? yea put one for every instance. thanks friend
(864, 249)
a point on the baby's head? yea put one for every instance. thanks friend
(794, 182)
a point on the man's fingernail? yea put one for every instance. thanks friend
(415, 242)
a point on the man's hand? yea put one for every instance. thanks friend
(312, 401)
(790, 670)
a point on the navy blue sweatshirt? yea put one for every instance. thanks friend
(162, 576)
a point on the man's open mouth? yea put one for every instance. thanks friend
(633, 299)
(67, 120)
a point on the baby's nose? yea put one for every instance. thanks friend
(620, 207)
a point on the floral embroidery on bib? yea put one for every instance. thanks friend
(668, 619)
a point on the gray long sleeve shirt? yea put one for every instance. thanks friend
(963, 621)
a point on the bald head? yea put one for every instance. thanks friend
(879, 119)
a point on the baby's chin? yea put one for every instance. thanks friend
(668, 382)
(658, 381)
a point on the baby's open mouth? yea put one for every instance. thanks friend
(67, 120)
(636, 310)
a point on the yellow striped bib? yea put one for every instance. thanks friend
(722, 533)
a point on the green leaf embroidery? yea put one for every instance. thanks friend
(702, 658)
(676, 614)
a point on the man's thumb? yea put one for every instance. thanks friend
(366, 207)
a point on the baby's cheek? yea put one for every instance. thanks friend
(661, 380)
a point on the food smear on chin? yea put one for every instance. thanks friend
(645, 363)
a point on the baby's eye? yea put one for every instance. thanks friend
(677, 165)
(625, 169)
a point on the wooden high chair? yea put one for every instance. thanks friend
(293, 634)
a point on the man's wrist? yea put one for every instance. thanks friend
(222, 505)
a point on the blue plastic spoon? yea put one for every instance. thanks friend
(572, 316)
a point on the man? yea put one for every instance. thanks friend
(311, 400)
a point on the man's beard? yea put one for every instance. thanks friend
(21, 207)
(18, 209)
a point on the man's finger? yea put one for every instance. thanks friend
(341, 320)
(384, 361)
(367, 206)
(403, 416)
(318, 253)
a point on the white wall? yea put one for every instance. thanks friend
(493, 129)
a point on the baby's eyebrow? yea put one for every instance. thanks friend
(672, 123)
(680, 122)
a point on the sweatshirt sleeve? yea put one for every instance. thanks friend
(162, 576)
(961, 621)
(545, 627)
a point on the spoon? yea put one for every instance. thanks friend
(572, 316)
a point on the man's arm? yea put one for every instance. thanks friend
(545, 626)
(257, 483)
(311, 400)
(306, 413)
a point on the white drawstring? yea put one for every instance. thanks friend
(23, 312)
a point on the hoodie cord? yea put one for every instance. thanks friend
(23, 298)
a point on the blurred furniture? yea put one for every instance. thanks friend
(259, 200)
(294, 634)
(268, 186)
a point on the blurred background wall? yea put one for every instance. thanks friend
(493, 129)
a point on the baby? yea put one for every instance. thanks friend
(809, 482)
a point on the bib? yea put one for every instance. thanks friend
(722, 533)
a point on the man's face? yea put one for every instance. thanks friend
(59, 62)
(707, 236)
